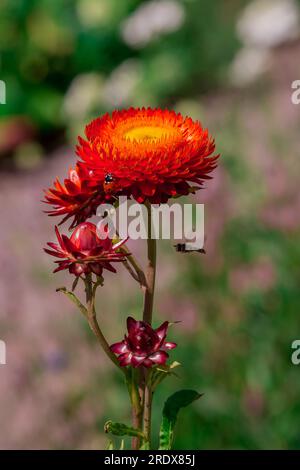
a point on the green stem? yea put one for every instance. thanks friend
(147, 412)
(136, 407)
(94, 325)
(151, 271)
(147, 317)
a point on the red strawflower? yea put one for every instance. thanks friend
(79, 196)
(148, 154)
(143, 346)
(85, 252)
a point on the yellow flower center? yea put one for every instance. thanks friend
(147, 133)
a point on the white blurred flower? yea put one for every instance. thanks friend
(248, 65)
(84, 95)
(269, 23)
(150, 20)
(120, 85)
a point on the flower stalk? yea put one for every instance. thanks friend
(147, 405)
(151, 270)
(92, 320)
(147, 317)
(136, 406)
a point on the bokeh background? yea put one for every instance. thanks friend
(231, 65)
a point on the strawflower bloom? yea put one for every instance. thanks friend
(150, 154)
(85, 252)
(145, 154)
(144, 346)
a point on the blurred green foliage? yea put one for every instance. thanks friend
(46, 44)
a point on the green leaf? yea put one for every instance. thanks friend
(178, 400)
(161, 372)
(120, 429)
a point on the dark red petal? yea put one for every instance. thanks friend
(148, 363)
(69, 246)
(159, 357)
(96, 268)
(125, 359)
(119, 348)
(169, 345)
(109, 267)
(131, 324)
(137, 360)
(55, 246)
(57, 254)
(78, 269)
(59, 238)
(62, 265)
(161, 331)
(71, 187)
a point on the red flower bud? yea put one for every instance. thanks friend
(85, 252)
(143, 346)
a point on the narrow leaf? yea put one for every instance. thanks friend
(174, 403)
